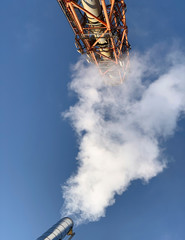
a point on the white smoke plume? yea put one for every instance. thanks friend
(121, 130)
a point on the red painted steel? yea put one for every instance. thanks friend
(111, 27)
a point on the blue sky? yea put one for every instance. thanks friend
(38, 148)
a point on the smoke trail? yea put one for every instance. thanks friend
(119, 130)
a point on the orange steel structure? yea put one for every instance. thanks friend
(104, 41)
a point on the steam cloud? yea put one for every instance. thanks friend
(120, 130)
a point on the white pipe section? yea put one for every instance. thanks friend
(94, 7)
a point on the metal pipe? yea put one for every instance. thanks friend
(88, 13)
(94, 7)
(59, 230)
